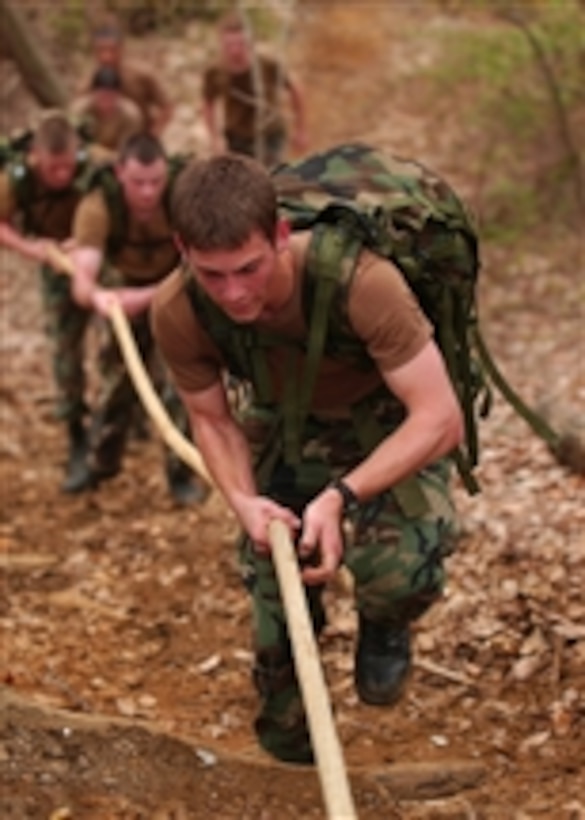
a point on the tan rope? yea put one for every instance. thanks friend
(326, 745)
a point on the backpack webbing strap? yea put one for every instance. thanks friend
(259, 365)
(332, 253)
(407, 493)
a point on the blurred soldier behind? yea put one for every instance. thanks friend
(242, 99)
(123, 225)
(109, 115)
(137, 80)
(39, 191)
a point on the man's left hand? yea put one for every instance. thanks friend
(322, 534)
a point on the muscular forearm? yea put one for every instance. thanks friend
(135, 300)
(31, 248)
(84, 289)
(419, 441)
(226, 454)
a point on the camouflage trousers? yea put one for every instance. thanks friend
(65, 324)
(118, 400)
(395, 556)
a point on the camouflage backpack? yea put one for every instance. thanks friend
(352, 197)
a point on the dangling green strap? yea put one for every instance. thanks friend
(464, 370)
(260, 375)
(407, 493)
(448, 347)
(535, 422)
(291, 432)
(465, 471)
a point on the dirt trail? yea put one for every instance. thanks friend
(116, 604)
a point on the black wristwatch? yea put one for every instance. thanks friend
(349, 498)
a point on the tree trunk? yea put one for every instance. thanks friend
(30, 57)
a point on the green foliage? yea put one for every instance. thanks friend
(68, 22)
(513, 210)
(70, 19)
(524, 77)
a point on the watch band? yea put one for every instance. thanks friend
(349, 498)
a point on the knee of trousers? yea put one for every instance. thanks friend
(400, 577)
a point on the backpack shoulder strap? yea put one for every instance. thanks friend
(331, 260)
(22, 184)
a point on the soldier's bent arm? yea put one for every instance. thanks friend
(433, 426)
(32, 248)
(87, 262)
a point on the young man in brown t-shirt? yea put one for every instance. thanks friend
(123, 222)
(240, 303)
(242, 99)
(109, 115)
(39, 192)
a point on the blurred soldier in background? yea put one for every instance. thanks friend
(123, 222)
(39, 191)
(137, 80)
(110, 116)
(242, 99)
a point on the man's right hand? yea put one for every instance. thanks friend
(255, 513)
(38, 249)
(103, 300)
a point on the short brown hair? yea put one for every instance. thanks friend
(55, 134)
(218, 203)
(143, 147)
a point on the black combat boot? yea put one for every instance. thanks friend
(382, 661)
(77, 473)
(184, 487)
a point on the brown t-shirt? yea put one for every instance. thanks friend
(49, 212)
(381, 308)
(142, 85)
(148, 252)
(112, 130)
(241, 101)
